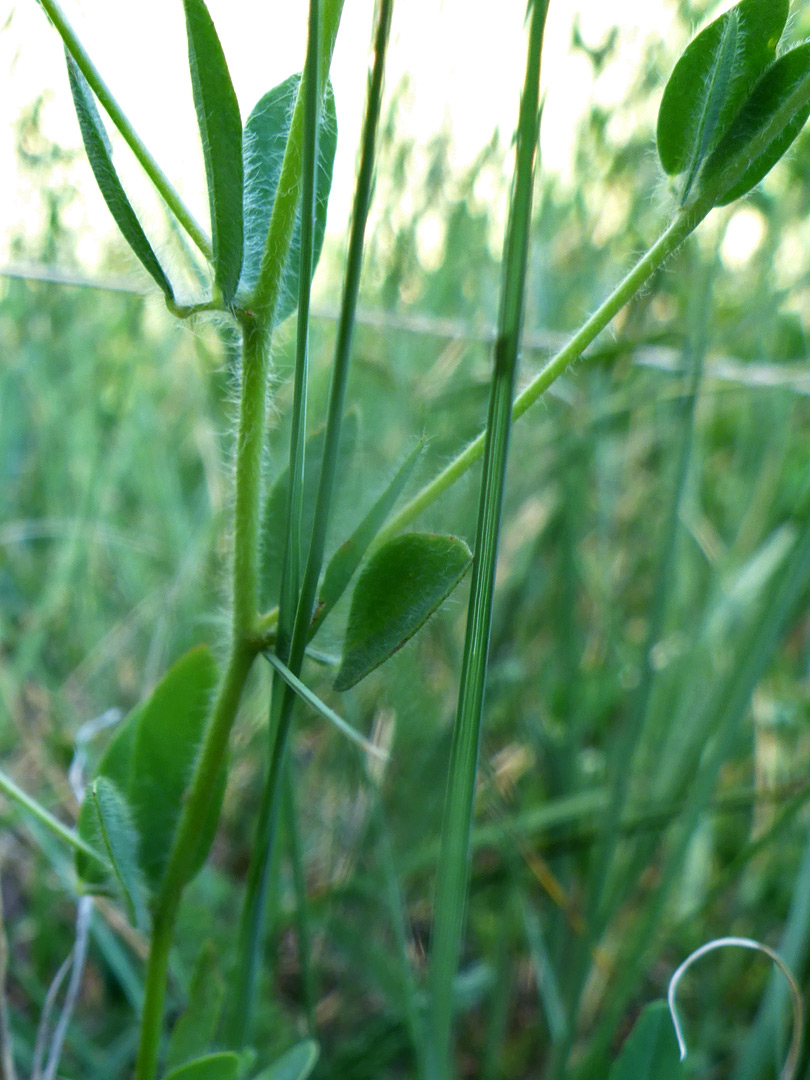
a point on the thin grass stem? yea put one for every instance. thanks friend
(453, 870)
(17, 795)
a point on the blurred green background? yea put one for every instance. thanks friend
(651, 628)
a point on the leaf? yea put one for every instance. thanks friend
(296, 1064)
(274, 528)
(712, 80)
(118, 838)
(781, 79)
(651, 1050)
(150, 761)
(170, 728)
(401, 586)
(221, 1066)
(349, 555)
(99, 152)
(197, 1025)
(264, 142)
(115, 766)
(221, 134)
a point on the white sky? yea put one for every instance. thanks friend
(465, 71)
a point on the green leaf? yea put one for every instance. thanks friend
(115, 834)
(115, 766)
(651, 1050)
(296, 1064)
(274, 527)
(401, 586)
(221, 134)
(197, 1025)
(264, 142)
(222, 1066)
(150, 761)
(170, 728)
(783, 77)
(99, 152)
(712, 80)
(349, 555)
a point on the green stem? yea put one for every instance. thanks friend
(118, 117)
(453, 870)
(250, 441)
(251, 921)
(703, 200)
(17, 795)
(215, 741)
(669, 241)
(288, 192)
(195, 810)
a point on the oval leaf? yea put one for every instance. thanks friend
(115, 766)
(264, 142)
(349, 555)
(712, 80)
(221, 134)
(222, 1066)
(150, 760)
(97, 147)
(296, 1064)
(109, 819)
(784, 77)
(651, 1049)
(170, 728)
(400, 587)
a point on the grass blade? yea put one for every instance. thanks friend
(17, 795)
(322, 709)
(451, 887)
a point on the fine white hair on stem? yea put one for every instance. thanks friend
(791, 1062)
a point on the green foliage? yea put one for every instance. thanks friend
(149, 762)
(99, 153)
(646, 688)
(404, 582)
(296, 1064)
(221, 1066)
(264, 142)
(712, 80)
(349, 555)
(730, 110)
(651, 1050)
(221, 135)
(791, 72)
(113, 831)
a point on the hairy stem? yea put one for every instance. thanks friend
(215, 741)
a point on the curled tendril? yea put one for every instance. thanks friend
(791, 1062)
